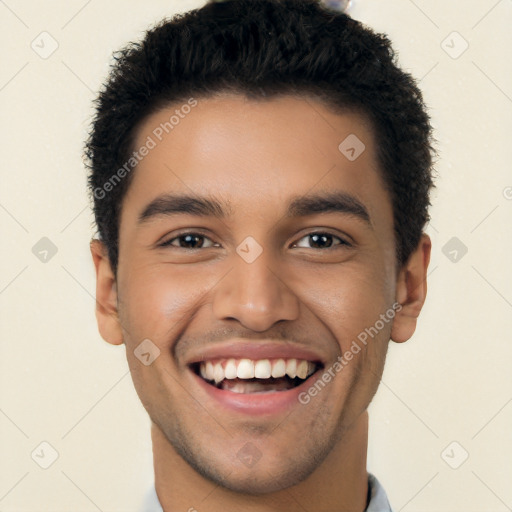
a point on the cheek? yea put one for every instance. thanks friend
(155, 303)
(347, 300)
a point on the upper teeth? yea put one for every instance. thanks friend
(259, 369)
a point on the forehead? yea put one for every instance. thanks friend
(254, 154)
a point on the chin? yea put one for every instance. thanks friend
(261, 481)
(266, 475)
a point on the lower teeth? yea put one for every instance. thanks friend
(245, 386)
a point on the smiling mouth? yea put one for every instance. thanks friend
(246, 376)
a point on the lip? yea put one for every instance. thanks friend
(255, 404)
(245, 349)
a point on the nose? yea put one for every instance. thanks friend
(255, 294)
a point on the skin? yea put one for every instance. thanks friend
(257, 155)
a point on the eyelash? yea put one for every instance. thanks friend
(342, 243)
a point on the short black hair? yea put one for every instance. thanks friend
(264, 49)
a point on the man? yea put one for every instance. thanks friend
(261, 175)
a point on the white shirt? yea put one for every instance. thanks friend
(378, 498)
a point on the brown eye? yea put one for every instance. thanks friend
(320, 240)
(187, 241)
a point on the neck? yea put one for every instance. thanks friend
(340, 483)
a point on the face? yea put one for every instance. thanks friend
(280, 253)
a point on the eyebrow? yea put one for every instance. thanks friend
(301, 206)
(329, 202)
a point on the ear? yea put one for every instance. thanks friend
(106, 295)
(411, 291)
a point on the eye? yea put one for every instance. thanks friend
(188, 241)
(321, 240)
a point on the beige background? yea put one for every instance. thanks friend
(60, 383)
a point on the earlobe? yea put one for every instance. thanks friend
(106, 295)
(411, 291)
